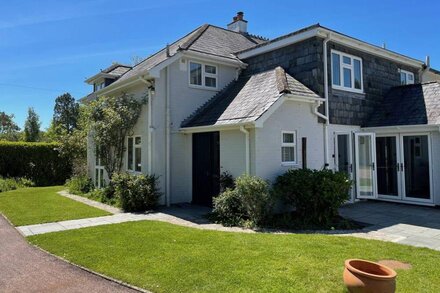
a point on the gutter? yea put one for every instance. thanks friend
(247, 147)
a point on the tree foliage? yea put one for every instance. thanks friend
(111, 120)
(65, 116)
(32, 126)
(9, 130)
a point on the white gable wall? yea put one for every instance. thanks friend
(291, 116)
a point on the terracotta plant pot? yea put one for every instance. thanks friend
(366, 276)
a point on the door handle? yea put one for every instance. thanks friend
(373, 166)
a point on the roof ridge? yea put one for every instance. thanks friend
(199, 32)
(156, 53)
(208, 103)
(281, 80)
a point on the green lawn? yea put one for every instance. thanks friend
(36, 205)
(167, 258)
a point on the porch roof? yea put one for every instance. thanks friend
(417, 104)
(247, 99)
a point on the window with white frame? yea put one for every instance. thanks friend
(134, 153)
(99, 170)
(99, 86)
(406, 77)
(346, 72)
(202, 75)
(288, 147)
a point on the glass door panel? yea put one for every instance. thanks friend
(387, 166)
(343, 155)
(416, 167)
(365, 165)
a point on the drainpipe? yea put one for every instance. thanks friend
(168, 138)
(150, 125)
(327, 117)
(246, 135)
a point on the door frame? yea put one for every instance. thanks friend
(350, 156)
(402, 159)
(373, 158)
(399, 196)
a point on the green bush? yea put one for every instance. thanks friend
(316, 195)
(228, 209)
(226, 181)
(40, 162)
(136, 193)
(7, 184)
(249, 203)
(80, 184)
(105, 195)
(255, 197)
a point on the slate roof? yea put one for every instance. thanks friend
(246, 99)
(207, 39)
(409, 105)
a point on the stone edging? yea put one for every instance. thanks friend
(95, 204)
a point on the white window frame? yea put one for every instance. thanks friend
(204, 74)
(135, 146)
(99, 181)
(289, 144)
(407, 73)
(99, 86)
(342, 65)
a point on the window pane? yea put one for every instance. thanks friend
(288, 138)
(402, 78)
(210, 82)
(288, 154)
(195, 73)
(347, 77)
(357, 74)
(336, 69)
(96, 177)
(130, 154)
(137, 154)
(347, 60)
(101, 175)
(210, 69)
(137, 140)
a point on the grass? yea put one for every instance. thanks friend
(36, 205)
(167, 258)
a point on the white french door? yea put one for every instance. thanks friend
(343, 158)
(404, 167)
(365, 160)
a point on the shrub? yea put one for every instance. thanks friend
(249, 203)
(226, 181)
(136, 193)
(80, 184)
(316, 195)
(105, 195)
(228, 209)
(40, 162)
(255, 197)
(7, 184)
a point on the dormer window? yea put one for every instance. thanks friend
(202, 75)
(406, 77)
(99, 86)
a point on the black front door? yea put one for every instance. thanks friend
(206, 167)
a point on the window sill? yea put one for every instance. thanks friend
(200, 87)
(289, 164)
(340, 88)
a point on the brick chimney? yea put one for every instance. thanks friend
(238, 23)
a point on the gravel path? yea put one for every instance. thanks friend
(24, 268)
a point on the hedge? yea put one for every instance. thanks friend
(39, 162)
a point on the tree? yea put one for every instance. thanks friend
(32, 126)
(112, 119)
(9, 130)
(65, 116)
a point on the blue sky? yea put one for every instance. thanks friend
(50, 47)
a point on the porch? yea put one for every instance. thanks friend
(395, 222)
